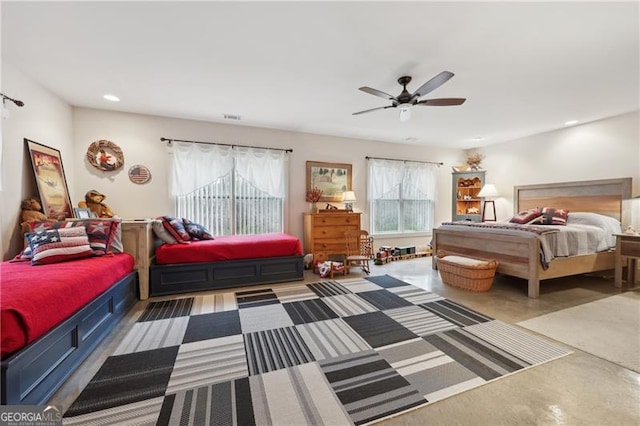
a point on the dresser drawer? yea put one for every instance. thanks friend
(330, 246)
(337, 220)
(336, 232)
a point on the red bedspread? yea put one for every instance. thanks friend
(34, 299)
(230, 247)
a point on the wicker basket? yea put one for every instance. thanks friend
(467, 277)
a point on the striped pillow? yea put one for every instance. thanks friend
(527, 216)
(59, 245)
(101, 232)
(551, 216)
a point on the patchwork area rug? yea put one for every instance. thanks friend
(608, 328)
(333, 352)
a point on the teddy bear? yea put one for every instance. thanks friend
(94, 201)
(32, 210)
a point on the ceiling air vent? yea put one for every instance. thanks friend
(232, 117)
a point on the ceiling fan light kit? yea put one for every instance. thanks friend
(405, 100)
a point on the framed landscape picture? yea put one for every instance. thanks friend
(332, 178)
(50, 180)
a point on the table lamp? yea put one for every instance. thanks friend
(488, 191)
(348, 197)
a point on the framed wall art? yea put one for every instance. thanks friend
(50, 180)
(332, 178)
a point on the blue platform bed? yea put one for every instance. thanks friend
(32, 373)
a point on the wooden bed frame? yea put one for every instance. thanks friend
(188, 277)
(519, 256)
(33, 374)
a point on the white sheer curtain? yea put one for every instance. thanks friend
(265, 169)
(421, 181)
(230, 190)
(402, 196)
(385, 176)
(195, 165)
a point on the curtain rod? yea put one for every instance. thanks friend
(224, 144)
(404, 161)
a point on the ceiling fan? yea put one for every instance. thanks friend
(405, 100)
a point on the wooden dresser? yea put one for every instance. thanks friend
(324, 233)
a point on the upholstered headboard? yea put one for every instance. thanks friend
(597, 196)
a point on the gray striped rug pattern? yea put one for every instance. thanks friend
(352, 351)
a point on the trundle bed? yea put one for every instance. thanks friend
(519, 253)
(54, 315)
(226, 261)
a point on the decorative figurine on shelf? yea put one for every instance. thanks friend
(94, 201)
(474, 160)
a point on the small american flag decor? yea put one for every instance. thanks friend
(139, 174)
(58, 245)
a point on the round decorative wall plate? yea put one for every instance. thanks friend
(105, 156)
(139, 174)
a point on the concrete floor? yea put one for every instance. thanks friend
(579, 389)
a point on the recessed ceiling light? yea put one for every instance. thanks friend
(570, 122)
(112, 98)
(478, 138)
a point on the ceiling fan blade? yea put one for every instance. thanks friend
(377, 92)
(442, 102)
(372, 109)
(432, 84)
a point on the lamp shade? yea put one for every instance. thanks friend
(488, 191)
(349, 196)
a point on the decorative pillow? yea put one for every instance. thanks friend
(551, 216)
(163, 234)
(59, 245)
(101, 233)
(196, 230)
(175, 227)
(526, 216)
(116, 245)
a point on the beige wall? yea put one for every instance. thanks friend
(139, 137)
(44, 119)
(602, 149)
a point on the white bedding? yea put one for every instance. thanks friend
(576, 240)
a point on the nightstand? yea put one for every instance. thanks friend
(137, 239)
(627, 251)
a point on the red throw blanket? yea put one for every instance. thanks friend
(230, 247)
(34, 299)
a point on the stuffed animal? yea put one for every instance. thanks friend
(32, 210)
(307, 260)
(94, 201)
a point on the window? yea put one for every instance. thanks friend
(230, 190)
(401, 196)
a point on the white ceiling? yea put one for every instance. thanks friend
(524, 68)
